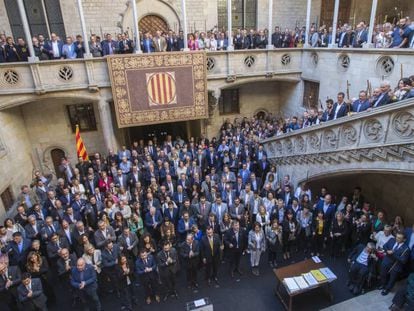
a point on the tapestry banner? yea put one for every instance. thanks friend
(158, 88)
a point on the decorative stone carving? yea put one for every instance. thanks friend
(314, 141)
(65, 73)
(279, 148)
(349, 135)
(344, 62)
(373, 130)
(384, 154)
(330, 138)
(211, 63)
(249, 61)
(300, 145)
(288, 147)
(286, 59)
(385, 66)
(270, 149)
(11, 77)
(403, 124)
(315, 59)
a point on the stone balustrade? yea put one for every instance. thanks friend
(383, 138)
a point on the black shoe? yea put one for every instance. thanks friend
(356, 291)
(232, 274)
(165, 298)
(209, 282)
(385, 292)
(216, 281)
(175, 295)
(195, 285)
(381, 287)
(351, 287)
(239, 272)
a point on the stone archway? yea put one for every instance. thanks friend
(152, 23)
(51, 159)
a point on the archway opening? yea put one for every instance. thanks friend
(153, 23)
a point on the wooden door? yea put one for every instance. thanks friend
(152, 23)
(57, 155)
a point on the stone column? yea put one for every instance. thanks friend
(230, 46)
(308, 15)
(137, 40)
(270, 26)
(106, 124)
(28, 36)
(334, 25)
(369, 43)
(184, 15)
(84, 33)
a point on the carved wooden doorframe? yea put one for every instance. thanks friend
(151, 23)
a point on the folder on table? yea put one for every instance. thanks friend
(318, 275)
(328, 273)
(291, 284)
(310, 279)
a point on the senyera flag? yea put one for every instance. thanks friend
(80, 147)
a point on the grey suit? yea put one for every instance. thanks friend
(100, 239)
(202, 214)
(133, 242)
(235, 213)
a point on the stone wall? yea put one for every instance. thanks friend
(4, 19)
(16, 163)
(50, 128)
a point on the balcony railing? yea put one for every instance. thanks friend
(385, 126)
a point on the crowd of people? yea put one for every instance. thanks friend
(150, 211)
(388, 35)
(275, 125)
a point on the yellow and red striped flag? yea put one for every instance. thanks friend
(80, 147)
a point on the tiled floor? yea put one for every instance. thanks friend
(371, 301)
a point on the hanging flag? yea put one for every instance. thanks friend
(80, 147)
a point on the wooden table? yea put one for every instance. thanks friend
(293, 270)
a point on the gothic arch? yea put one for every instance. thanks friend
(47, 161)
(152, 7)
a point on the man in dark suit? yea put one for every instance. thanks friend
(383, 97)
(392, 265)
(34, 228)
(54, 247)
(362, 259)
(328, 113)
(17, 249)
(128, 243)
(110, 255)
(327, 208)
(235, 242)
(30, 293)
(210, 249)
(84, 282)
(64, 265)
(103, 234)
(340, 108)
(362, 103)
(168, 265)
(203, 210)
(172, 213)
(277, 38)
(172, 44)
(66, 198)
(125, 45)
(262, 168)
(54, 47)
(109, 46)
(237, 210)
(146, 268)
(10, 278)
(190, 251)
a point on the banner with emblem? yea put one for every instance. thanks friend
(158, 88)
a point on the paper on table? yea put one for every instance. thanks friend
(310, 279)
(328, 273)
(319, 276)
(199, 302)
(291, 284)
(301, 282)
(316, 259)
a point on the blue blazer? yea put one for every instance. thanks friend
(89, 277)
(148, 46)
(140, 265)
(398, 259)
(149, 222)
(16, 257)
(181, 225)
(342, 111)
(48, 46)
(105, 47)
(364, 105)
(330, 212)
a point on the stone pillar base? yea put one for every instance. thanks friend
(230, 48)
(368, 46)
(333, 46)
(270, 47)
